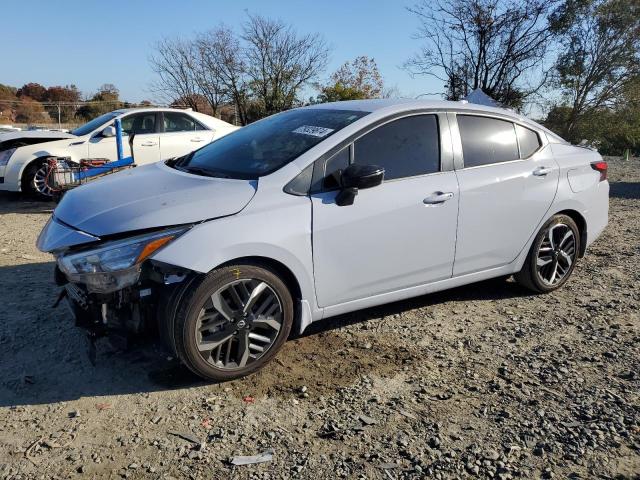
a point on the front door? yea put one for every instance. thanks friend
(146, 142)
(508, 183)
(396, 235)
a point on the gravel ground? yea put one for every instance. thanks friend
(481, 381)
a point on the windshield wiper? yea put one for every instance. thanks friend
(203, 171)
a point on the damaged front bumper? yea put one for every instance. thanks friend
(112, 284)
(145, 309)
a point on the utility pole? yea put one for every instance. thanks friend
(59, 124)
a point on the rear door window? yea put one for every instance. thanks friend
(487, 140)
(179, 122)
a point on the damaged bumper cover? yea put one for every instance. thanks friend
(138, 309)
(112, 285)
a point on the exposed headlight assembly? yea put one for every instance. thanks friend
(114, 265)
(5, 155)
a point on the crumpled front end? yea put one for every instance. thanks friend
(112, 285)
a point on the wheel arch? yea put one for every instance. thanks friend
(30, 162)
(581, 222)
(284, 272)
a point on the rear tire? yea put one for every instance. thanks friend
(233, 322)
(552, 257)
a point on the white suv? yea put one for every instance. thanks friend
(160, 134)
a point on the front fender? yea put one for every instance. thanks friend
(278, 230)
(25, 156)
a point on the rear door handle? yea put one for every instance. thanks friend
(437, 197)
(149, 143)
(197, 139)
(542, 171)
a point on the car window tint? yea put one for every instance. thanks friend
(339, 161)
(139, 123)
(404, 148)
(487, 140)
(179, 122)
(528, 140)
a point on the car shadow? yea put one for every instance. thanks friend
(43, 356)
(14, 202)
(494, 289)
(629, 190)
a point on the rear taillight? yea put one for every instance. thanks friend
(602, 168)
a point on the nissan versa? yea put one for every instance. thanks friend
(319, 211)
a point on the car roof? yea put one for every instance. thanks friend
(399, 105)
(120, 111)
(210, 121)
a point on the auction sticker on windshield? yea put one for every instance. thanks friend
(313, 131)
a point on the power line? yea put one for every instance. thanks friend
(75, 104)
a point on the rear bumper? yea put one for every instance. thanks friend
(598, 213)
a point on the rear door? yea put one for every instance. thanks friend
(182, 134)
(508, 180)
(396, 235)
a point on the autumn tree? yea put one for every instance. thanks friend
(34, 91)
(29, 111)
(8, 102)
(106, 99)
(65, 101)
(354, 80)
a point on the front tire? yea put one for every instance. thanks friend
(552, 257)
(233, 322)
(34, 181)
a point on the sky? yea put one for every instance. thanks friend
(89, 43)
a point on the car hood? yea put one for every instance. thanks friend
(151, 196)
(45, 135)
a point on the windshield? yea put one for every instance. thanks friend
(265, 146)
(93, 124)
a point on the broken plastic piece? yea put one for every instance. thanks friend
(263, 457)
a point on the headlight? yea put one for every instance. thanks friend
(5, 156)
(115, 265)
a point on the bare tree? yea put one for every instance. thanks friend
(222, 58)
(207, 70)
(174, 61)
(486, 44)
(260, 72)
(601, 57)
(279, 61)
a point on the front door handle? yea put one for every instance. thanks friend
(197, 139)
(542, 171)
(149, 143)
(437, 198)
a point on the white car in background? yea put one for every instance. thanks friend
(160, 134)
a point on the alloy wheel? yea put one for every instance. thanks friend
(39, 181)
(238, 324)
(556, 254)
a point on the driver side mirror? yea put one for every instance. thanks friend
(356, 177)
(109, 131)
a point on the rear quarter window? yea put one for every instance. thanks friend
(487, 140)
(528, 141)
